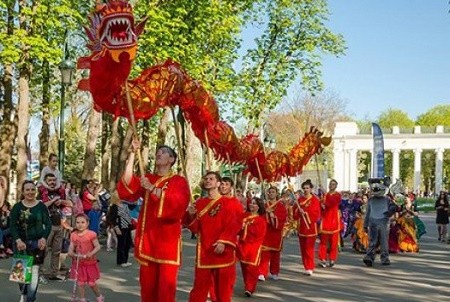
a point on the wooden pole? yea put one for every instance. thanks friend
(260, 178)
(208, 154)
(133, 126)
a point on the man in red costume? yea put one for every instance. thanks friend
(276, 215)
(158, 232)
(330, 225)
(307, 211)
(215, 219)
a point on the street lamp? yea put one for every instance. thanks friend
(67, 68)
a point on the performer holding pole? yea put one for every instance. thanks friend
(308, 209)
(276, 215)
(330, 225)
(158, 232)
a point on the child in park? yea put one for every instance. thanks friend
(84, 245)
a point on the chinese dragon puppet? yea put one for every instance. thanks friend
(113, 36)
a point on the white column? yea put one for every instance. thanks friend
(395, 165)
(438, 170)
(417, 168)
(338, 162)
(353, 170)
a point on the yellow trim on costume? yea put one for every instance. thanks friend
(126, 186)
(163, 192)
(164, 261)
(306, 202)
(256, 262)
(208, 207)
(321, 231)
(199, 265)
(268, 248)
(246, 222)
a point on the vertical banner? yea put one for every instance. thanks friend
(378, 152)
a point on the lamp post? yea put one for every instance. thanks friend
(67, 68)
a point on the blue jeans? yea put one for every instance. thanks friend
(30, 290)
(3, 234)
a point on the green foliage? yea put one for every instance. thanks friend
(438, 115)
(395, 117)
(75, 141)
(292, 43)
(202, 35)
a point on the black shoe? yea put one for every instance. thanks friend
(332, 263)
(248, 293)
(56, 278)
(386, 262)
(368, 262)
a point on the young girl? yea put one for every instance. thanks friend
(84, 245)
(251, 238)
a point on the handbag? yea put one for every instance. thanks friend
(21, 268)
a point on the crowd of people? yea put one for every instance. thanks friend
(52, 218)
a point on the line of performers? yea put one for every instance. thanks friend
(227, 230)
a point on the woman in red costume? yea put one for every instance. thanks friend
(307, 211)
(250, 241)
(276, 215)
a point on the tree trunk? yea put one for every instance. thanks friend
(22, 129)
(45, 129)
(126, 143)
(94, 127)
(193, 157)
(162, 128)
(115, 152)
(8, 127)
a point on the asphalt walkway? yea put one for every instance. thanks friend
(411, 277)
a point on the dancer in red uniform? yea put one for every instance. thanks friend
(276, 215)
(307, 211)
(250, 242)
(330, 225)
(215, 219)
(158, 232)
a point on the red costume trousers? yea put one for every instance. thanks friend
(224, 279)
(274, 258)
(328, 240)
(250, 276)
(307, 251)
(158, 282)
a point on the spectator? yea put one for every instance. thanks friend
(54, 198)
(52, 168)
(5, 234)
(30, 227)
(120, 220)
(442, 220)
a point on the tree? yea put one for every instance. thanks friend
(395, 117)
(297, 115)
(23, 49)
(438, 115)
(291, 45)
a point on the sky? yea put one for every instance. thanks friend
(398, 55)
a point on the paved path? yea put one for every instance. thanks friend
(420, 277)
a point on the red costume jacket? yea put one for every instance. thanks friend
(158, 231)
(275, 223)
(216, 220)
(307, 225)
(251, 238)
(331, 219)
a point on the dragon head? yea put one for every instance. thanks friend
(112, 29)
